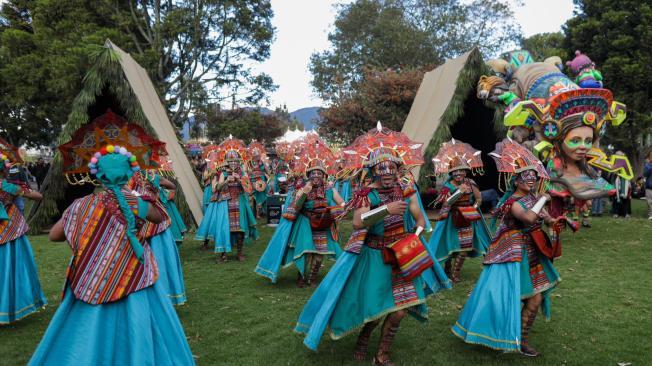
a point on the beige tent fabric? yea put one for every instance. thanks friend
(435, 93)
(157, 116)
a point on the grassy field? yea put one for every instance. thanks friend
(601, 314)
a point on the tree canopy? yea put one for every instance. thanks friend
(196, 52)
(384, 96)
(246, 123)
(399, 34)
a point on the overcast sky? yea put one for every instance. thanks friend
(302, 28)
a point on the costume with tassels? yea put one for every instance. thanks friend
(259, 173)
(20, 289)
(518, 276)
(461, 230)
(385, 271)
(229, 220)
(161, 239)
(312, 211)
(112, 311)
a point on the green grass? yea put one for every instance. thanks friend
(601, 312)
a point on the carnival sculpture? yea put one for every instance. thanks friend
(561, 120)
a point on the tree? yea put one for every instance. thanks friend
(407, 34)
(618, 38)
(196, 52)
(544, 45)
(384, 96)
(244, 123)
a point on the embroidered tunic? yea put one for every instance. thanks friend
(104, 267)
(231, 193)
(12, 225)
(461, 210)
(513, 238)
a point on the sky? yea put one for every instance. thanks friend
(302, 28)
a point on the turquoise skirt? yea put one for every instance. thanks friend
(346, 191)
(141, 329)
(208, 193)
(270, 262)
(177, 226)
(444, 240)
(300, 243)
(215, 225)
(260, 197)
(20, 289)
(492, 315)
(170, 273)
(357, 290)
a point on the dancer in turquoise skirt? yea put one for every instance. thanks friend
(20, 289)
(362, 288)
(229, 220)
(461, 230)
(112, 311)
(177, 226)
(150, 186)
(259, 173)
(313, 211)
(273, 258)
(517, 278)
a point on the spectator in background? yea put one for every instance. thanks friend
(647, 173)
(639, 188)
(597, 203)
(622, 201)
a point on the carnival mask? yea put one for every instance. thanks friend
(234, 165)
(527, 180)
(316, 177)
(458, 175)
(578, 142)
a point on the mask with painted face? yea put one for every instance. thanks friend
(316, 177)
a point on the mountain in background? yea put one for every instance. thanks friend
(307, 116)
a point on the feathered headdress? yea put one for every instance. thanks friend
(456, 155)
(315, 155)
(382, 145)
(232, 149)
(256, 148)
(512, 158)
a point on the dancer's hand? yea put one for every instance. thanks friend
(307, 188)
(396, 207)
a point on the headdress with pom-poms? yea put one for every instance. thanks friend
(113, 166)
(108, 129)
(455, 155)
(512, 158)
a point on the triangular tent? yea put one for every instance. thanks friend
(446, 107)
(116, 82)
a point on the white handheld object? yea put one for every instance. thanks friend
(539, 205)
